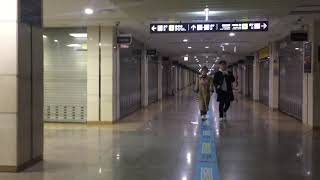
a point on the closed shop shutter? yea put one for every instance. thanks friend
(165, 79)
(153, 79)
(65, 76)
(250, 81)
(130, 79)
(291, 78)
(264, 82)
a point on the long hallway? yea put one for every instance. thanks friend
(160, 143)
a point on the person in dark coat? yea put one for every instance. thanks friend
(222, 81)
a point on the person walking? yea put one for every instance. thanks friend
(222, 81)
(204, 87)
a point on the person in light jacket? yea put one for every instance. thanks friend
(222, 81)
(203, 88)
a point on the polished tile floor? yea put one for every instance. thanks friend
(159, 143)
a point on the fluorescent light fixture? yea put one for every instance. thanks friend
(199, 65)
(297, 48)
(79, 35)
(88, 11)
(55, 40)
(207, 47)
(206, 11)
(44, 36)
(195, 56)
(235, 49)
(232, 34)
(227, 44)
(185, 40)
(189, 47)
(186, 58)
(216, 60)
(74, 45)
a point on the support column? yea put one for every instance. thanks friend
(274, 76)
(256, 77)
(21, 81)
(160, 70)
(311, 81)
(144, 79)
(103, 75)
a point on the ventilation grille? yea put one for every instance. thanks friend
(63, 113)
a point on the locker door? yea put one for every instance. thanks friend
(264, 82)
(291, 79)
(130, 80)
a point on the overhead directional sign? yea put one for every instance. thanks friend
(210, 27)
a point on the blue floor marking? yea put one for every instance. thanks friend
(206, 164)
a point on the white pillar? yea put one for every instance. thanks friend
(311, 81)
(103, 75)
(21, 81)
(160, 71)
(274, 75)
(144, 79)
(93, 102)
(256, 77)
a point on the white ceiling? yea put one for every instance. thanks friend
(136, 15)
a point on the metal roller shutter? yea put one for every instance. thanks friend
(153, 79)
(130, 79)
(291, 78)
(264, 82)
(65, 76)
(250, 81)
(165, 79)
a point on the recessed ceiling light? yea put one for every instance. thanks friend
(88, 11)
(186, 58)
(195, 57)
(226, 44)
(55, 40)
(297, 48)
(185, 40)
(189, 47)
(207, 47)
(44, 36)
(232, 34)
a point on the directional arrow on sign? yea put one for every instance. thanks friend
(153, 28)
(264, 25)
(193, 27)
